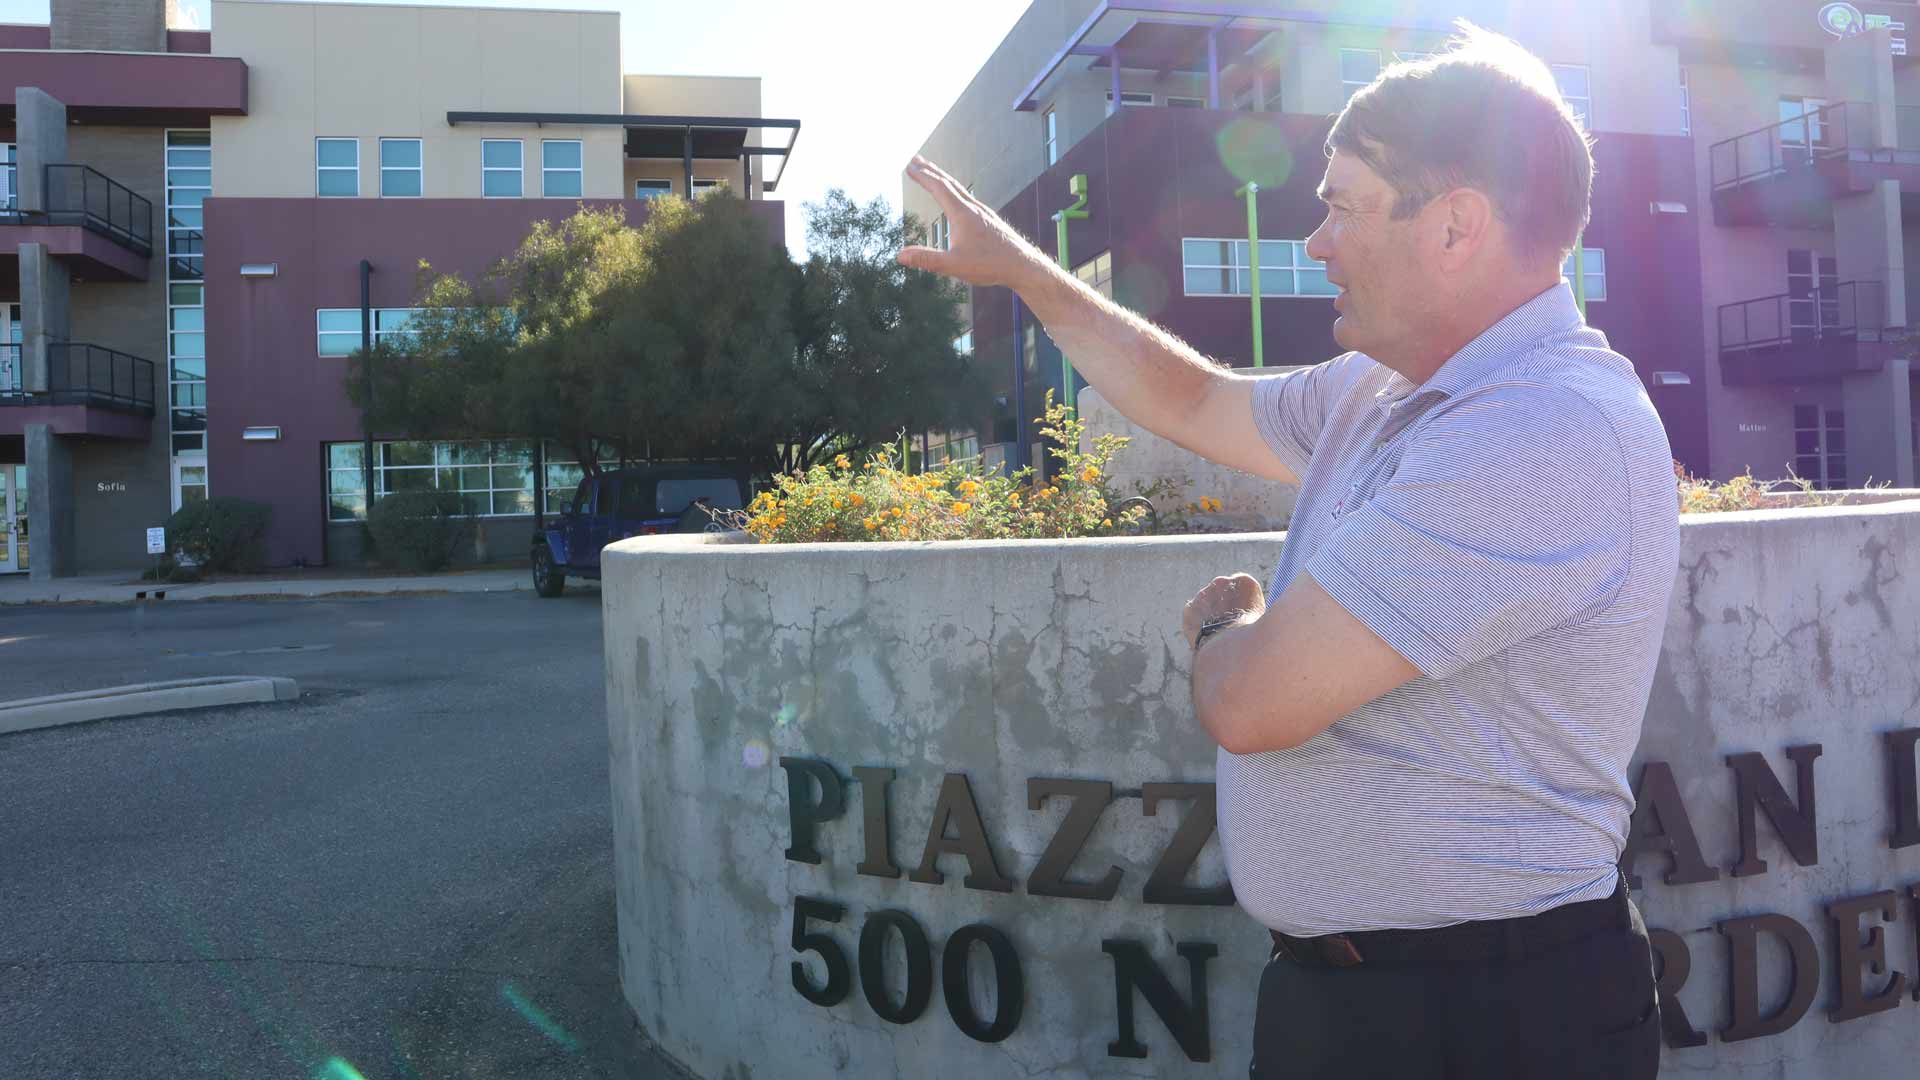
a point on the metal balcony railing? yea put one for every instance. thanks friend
(1845, 311)
(82, 374)
(1829, 131)
(9, 370)
(84, 196)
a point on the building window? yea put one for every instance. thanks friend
(1820, 445)
(1186, 102)
(9, 170)
(500, 168)
(339, 328)
(560, 168)
(1050, 124)
(1412, 57)
(963, 344)
(492, 478)
(1130, 97)
(1686, 104)
(1803, 128)
(1097, 272)
(1358, 69)
(1577, 89)
(652, 189)
(1593, 272)
(336, 168)
(189, 176)
(400, 169)
(701, 186)
(940, 236)
(1224, 268)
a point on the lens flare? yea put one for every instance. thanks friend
(1254, 152)
(756, 754)
(534, 1015)
(337, 1069)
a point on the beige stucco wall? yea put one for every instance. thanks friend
(343, 70)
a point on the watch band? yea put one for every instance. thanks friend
(1231, 618)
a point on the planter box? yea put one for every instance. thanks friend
(804, 738)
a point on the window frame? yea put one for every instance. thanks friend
(1152, 99)
(519, 171)
(9, 175)
(579, 171)
(1576, 101)
(1180, 101)
(1097, 273)
(419, 171)
(1594, 296)
(392, 333)
(663, 192)
(1350, 87)
(703, 184)
(318, 168)
(445, 456)
(1686, 103)
(1050, 135)
(1293, 270)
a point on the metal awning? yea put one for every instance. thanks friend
(1194, 37)
(690, 138)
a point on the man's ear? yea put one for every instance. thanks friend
(1467, 216)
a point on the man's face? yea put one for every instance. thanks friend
(1379, 263)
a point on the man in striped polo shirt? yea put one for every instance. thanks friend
(1424, 734)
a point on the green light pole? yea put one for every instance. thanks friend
(1077, 212)
(1251, 190)
(1580, 274)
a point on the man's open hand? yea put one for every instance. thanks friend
(984, 249)
(1223, 596)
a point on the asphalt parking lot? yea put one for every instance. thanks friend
(407, 873)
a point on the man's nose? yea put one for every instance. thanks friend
(1317, 245)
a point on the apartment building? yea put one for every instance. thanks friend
(201, 226)
(1747, 245)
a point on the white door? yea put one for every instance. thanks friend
(189, 479)
(13, 519)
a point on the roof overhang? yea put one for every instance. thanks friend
(1178, 35)
(707, 138)
(131, 88)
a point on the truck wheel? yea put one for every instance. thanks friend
(548, 580)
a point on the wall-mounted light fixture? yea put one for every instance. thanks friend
(261, 434)
(259, 269)
(1666, 208)
(1672, 378)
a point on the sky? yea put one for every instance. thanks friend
(868, 79)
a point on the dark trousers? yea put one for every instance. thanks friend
(1580, 1010)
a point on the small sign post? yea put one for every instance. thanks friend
(157, 547)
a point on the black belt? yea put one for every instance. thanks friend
(1496, 939)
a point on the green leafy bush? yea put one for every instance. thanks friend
(221, 534)
(416, 529)
(171, 572)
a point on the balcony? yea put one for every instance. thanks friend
(1788, 173)
(1836, 330)
(101, 228)
(90, 390)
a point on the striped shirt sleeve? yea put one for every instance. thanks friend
(1291, 408)
(1507, 517)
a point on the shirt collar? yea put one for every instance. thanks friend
(1552, 312)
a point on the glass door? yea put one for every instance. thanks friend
(1813, 296)
(10, 337)
(189, 479)
(13, 525)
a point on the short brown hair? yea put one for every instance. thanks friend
(1484, 114)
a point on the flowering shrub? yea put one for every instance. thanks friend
(877, 500)
(1743, 492)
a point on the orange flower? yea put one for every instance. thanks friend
(857, 499)
(961, 508)
(1090, 474)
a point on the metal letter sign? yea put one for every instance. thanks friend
(1844, 20)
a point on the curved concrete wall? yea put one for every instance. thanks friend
(758, 698)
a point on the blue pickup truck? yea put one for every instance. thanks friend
(630, 502)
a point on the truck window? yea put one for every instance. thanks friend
(583, 497)
(677, 493)
(633, 495)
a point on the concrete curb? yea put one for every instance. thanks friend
(140, 699)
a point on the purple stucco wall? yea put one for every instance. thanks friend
(1158, 175)
(263, 362)
(131, 88)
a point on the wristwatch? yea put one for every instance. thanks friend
(1231, 618)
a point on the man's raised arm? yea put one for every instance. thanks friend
(1152, 377)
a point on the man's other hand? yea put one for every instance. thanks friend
(1238, 594)
(983, 249)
